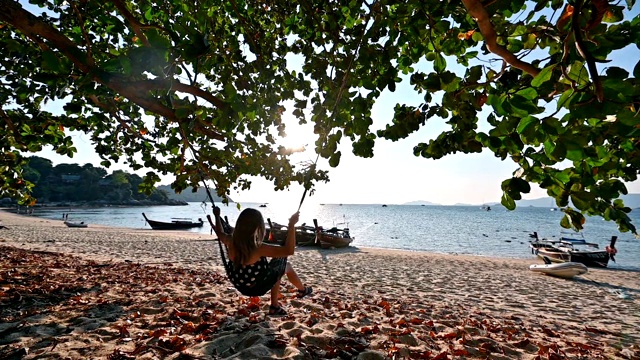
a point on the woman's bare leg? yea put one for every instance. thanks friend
(275, 294)
(293, 277)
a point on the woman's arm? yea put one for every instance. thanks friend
(224, 237)
(289, 245)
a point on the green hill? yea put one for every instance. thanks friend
(189, 196)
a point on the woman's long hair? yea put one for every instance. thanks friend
(247, 235)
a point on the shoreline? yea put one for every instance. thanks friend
(380, 301)
(22, 219)
(523, 259)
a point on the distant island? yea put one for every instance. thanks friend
(88, 185)
(420, 202)
(630, 200)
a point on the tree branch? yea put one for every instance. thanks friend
(582, 50)
(477, 11)
(12, 13)
(31, 26)
(111, 109)
(172, 85)
(135, 24)
(11, 126)
(246, 26)
(84, 33)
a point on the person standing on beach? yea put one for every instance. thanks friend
(249, 270)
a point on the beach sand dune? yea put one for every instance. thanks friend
(101, 292)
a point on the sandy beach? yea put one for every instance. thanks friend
(113, 293)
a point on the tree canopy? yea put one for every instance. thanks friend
(197, 89)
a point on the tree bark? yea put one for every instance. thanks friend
(475, 8)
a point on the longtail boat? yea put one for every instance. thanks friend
(175, 224)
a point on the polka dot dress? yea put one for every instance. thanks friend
(258, 278)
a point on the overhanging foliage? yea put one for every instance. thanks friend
(214, 77)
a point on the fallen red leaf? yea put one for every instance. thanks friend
(522, 343)
(599, 331)
(442, 356)
(158, 333)
(370, 330)
(460, 352)
(451, 335)
(187, 328)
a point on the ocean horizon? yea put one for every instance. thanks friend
(449, 229)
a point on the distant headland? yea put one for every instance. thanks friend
(74, 185)
(630, 200)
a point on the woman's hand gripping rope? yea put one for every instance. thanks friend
(217, 226)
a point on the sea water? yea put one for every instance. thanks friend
(467, 230)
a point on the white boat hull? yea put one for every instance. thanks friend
(564, 270)
(75, 224)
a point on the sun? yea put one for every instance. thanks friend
(298, 138)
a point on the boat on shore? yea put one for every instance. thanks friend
(573, 249)
(74, 224)
(175, 224)
(333, 237)
(277, 233)
(305, 235)
(564, 270)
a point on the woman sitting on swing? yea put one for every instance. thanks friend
(248, 268)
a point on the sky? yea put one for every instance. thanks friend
(394, 175)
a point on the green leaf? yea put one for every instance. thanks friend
(630, 3)
(562, 176)
(507, 201)
(575, 151)
(474, 74)
(543, 76)
(334, 160)
(183, 113)
(628, 118)
(440, 64)
(613, 14)
(564, 100)
(526, 122)
(582, 199)
(520, 185)
(528, 93)
(497, 102)
(157, 40)
(521, 106)
(50, 61)
(578, 73)
(617, 73)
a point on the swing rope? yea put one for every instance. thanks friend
(343, 84)
(307, 179)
